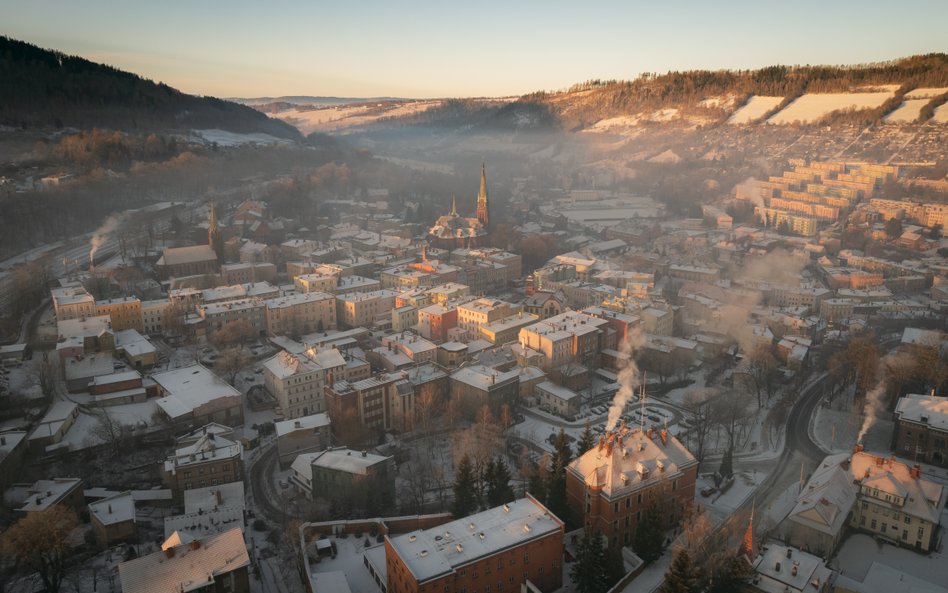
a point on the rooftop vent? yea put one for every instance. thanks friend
(526, 528)
(459, 548)
(412, 538)
(506, 508)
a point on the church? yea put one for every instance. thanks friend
(454, 231)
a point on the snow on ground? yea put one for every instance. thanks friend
(616, 123)
(225, 138)
(667, 157)
(349, 561)
(718, 102)
(926, 93)
(754, 109)
(941, 114)
(859, 551)
(24, 379)
(652, 577)
(745, 483)
(835, 430)
(780, 507)
(83, 432)
(907, 112)
(813, 107)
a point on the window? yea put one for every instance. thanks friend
(921, 532)
(905, 534)
(873, 524)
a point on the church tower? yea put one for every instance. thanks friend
(214, 239)
(483, 212)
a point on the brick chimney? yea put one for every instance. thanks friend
(916, 471)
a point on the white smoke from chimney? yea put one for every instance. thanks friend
(628, 377)
(750, 191)
(102, 233)
(871, 409)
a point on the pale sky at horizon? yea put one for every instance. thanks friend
(441, 49)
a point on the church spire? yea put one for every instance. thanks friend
(454, 205)
(747, 544)
(483, 213)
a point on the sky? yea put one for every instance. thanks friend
(367, 48)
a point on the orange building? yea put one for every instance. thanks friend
(610, 487)
(499, 550)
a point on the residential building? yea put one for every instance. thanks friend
(217, 315)
(476, 385)
(560, 400)
(306, 434)
(780, 568)
(882, 496)
(209, 510)
(316, 282)
(360, 407)
(193, 396)
(361, 309)
(43, 495)
(72, 302)
(153, 316)
(610, 487)
(113, 520)
(434, 321)
(216, 564)
(301, 313)
(125, 313)
(209, 461)
(297, 381)
(921, 428)
(500, 549)
(341, 476)
(568, 337)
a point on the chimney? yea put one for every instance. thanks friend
(789, 552)
(858, 448)
(777, 567)
(169, 552)
(664, 436)
(195, 544)
(916, 471)
(110, 509)
(793, 571)
(364, 453)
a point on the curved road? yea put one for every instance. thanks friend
(265, 497)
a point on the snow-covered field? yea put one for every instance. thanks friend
(225, 138)
(345, 116)
(907, 112)
(813, 107)
(718, 102)
(941, 114)
(754, 109)
(926, 93)
(836, 431)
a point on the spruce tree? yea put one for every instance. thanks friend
(649, 536)
(727, 465)
(681, 576)
(498, 486)
(588, 572)
(465, 496)
(586, 440)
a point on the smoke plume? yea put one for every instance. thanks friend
(749, 190)
(871, 409)
(102, 233)
(628, 377)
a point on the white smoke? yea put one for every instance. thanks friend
(749, 190)
(102, 233)
(873, 406)
(628, 377)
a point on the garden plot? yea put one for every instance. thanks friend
(814, 107)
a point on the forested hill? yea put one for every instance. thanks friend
(43, 88)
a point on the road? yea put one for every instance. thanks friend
(265, 496)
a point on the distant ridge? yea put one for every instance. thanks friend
(309, 100)
(47, 88)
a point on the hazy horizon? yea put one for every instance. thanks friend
(240, 49)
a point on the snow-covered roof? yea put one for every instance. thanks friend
(206, 448)
(173, 256)
(628, 460)
(347, 460)
(185, 567)
(114, 509)
(302, 423)
(483, 377)
(208, 498)
(924, 409)
(882, 578)
(797, 570)
(46, 493)
(190, 387)
(431, 553)
(83, 327)
(298, 299)
(557, 391)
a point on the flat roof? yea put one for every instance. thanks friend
(302, 423)
(431, 553)
(114, 509)
(190, 387)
